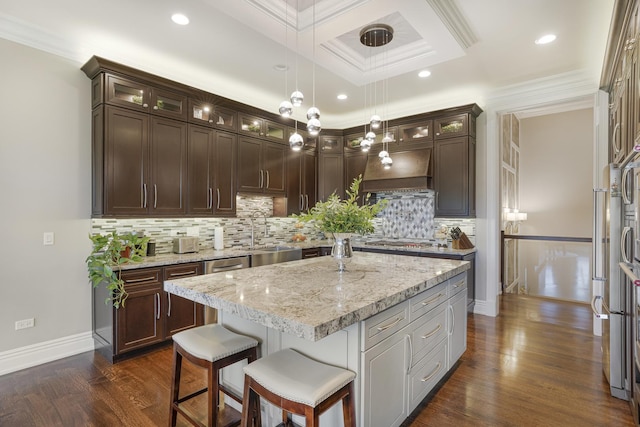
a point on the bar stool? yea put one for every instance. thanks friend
(297, 385)
(212, 347)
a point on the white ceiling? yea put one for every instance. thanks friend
(231, 47)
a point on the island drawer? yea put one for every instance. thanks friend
(457, 284)
(428, 300)
(427, 331)
(141, 278)
(424, 376)
(385, 324)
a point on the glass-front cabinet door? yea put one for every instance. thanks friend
(416, 133)
(251, 125)
(274, 131)
(451, 126)
(127, 93)
(168, 104)
(206, 113)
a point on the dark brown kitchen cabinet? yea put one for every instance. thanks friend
(301, 181)
(149, 315)
(139, 322)
(262, 128)
(452, 126)
(261, 166)
(181, 313)
(144, 170)
(309, 142)
(138, 96)
(354, 165)
(330, 174)
(454, 177)
(211, 172)
(416, 133)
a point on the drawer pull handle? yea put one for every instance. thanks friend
(185, 273)
(395, 322)
(436, 298)
(144, 279)
(460, 283)
(432, 374)
(430, 334)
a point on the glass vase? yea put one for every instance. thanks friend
(341, 250)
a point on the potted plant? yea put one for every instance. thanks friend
(344, 218)
(108, 254)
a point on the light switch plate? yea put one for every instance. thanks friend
(48, 238)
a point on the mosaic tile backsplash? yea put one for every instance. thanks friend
(408, 216)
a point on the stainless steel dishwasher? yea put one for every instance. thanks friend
(217, 266)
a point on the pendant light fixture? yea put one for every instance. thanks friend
(377, 35)
(286, 108)
(296, 96)
(296, 142)
(313, 114)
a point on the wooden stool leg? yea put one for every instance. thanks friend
(175, 387)
(213, 396)
(348, 409)
(250, 406)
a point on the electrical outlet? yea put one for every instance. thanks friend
(26, 323)
(48, 238)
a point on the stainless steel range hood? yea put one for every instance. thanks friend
(411, 170)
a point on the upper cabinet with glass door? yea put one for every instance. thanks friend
(262, 128)
(416, 133)
(452, 126)
(208, 114)
(138, 96)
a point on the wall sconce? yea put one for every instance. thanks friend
(514, 217)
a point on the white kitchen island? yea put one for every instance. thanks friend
(398, 322)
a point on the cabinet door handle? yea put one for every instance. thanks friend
(169, 308)
(408, 337)
(616, 146)
(210, 204)
(267, 186)
(218, 198)
(261, 178)
(395, 322)
(437, 204)
(435, 298)
(626, 194)
(144, 195)
(184, 273)
(155, 196)
(158, 301)
(432, 333)
(453, 320)
(623, 244)
(458, 284)
(435, 371)
(144, 279)
(306, 199)
(301, 202)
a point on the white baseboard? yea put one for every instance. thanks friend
(48, 351)
(482, 307)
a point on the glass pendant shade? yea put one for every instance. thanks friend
(314, 126)
(370, 136)
(296, 142)
(286, 109)
(387, 139)
(296, 98)
(375, 121)
(383, 153)
(387, 162)
(313, 113)
(365, 144)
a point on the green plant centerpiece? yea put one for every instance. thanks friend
(343, 218)
(109, 253)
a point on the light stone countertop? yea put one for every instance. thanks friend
(211, 254)
(310, 298)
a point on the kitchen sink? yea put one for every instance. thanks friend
(274, 255)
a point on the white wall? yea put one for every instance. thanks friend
(45, 176)
(556, 174)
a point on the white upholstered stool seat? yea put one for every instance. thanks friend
(212, 347)
(298, 385)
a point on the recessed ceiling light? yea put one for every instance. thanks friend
(424, 73)
(548, 38)
(179, 19)
(342, 96)
(281, 67)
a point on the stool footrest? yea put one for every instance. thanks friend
(192, 395)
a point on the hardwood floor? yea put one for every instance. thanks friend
(537, 364)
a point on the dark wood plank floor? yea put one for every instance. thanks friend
(536, 364)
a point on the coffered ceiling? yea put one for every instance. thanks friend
(236, 48)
